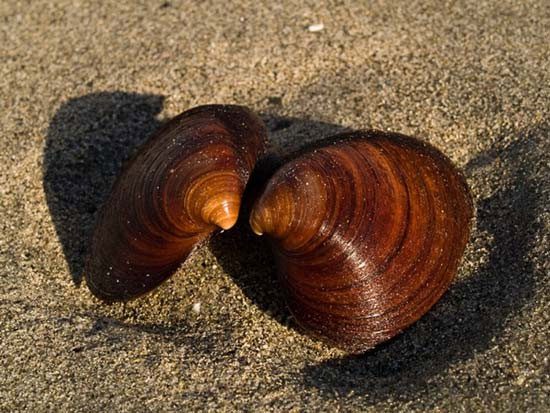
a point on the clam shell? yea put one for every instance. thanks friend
(183, 184)
(368, 232)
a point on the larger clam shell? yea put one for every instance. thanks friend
(368, 232)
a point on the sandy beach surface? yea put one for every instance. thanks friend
(83, 84)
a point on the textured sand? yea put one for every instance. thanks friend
(83, 84)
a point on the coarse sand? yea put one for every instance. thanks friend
(83, 83)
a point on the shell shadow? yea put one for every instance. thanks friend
(476, 309)
(88, 140)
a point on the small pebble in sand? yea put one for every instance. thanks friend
(197, 307)
(316, 27)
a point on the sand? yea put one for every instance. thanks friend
(82, 84)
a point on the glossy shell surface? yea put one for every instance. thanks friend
(183, 184)
(368, 232)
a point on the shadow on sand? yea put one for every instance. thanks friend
(88, 140)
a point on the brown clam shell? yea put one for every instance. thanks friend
(368, 232)
(183, 184)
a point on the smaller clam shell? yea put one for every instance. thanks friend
(185, 182)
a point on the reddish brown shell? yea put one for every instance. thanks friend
(185, 182)
(368, 233)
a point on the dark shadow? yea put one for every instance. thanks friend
(288, 134)
(88, 140)
(476, 309)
